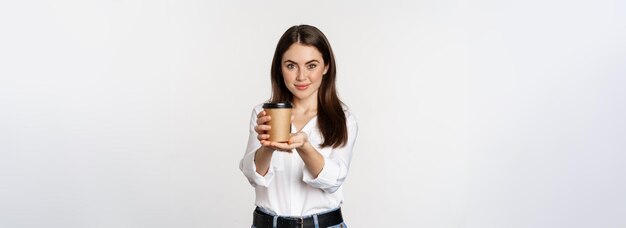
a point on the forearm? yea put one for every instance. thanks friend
(313, 160)
(262, 159)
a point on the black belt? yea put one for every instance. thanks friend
(264, 220)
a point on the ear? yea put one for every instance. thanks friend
(325, 69)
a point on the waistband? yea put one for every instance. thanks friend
(262, 219)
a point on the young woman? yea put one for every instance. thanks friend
(298, 183)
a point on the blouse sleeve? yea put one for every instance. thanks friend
(336, 165)
(247, 164)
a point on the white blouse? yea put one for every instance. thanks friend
(288, 188)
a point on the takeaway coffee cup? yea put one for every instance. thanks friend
(280, 121)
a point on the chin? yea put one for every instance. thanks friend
(302, 96)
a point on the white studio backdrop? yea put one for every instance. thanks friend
(471, 113)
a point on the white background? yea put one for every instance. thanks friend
(471, 113)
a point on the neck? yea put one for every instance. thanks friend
(306, 105)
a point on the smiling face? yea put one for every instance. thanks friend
(303, 67)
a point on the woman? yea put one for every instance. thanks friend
(298, 183)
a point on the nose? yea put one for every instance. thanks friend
(301, 76)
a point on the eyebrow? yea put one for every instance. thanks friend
(310, 61)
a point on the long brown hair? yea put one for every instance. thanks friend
(331, 118)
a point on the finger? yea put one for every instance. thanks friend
(262, 137)
(267, 144)
(282, 146)
(262, 128)
(294, 142)
(262, 113)
(298, 136)
(263, 119)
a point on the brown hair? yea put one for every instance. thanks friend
(330, 116)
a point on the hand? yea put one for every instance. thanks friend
(296, 140)
(262, 128)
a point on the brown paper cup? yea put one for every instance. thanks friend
(280, 122)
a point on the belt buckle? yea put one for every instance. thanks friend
(301, 222)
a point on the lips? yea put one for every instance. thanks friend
(302, 87)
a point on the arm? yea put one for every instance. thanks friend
(335, 165)
(255, 164)
(262, 159)
(326, 173)
(313, 160)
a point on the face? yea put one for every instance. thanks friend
(303, 68)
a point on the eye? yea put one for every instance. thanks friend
(291, 66)
(311, 66)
